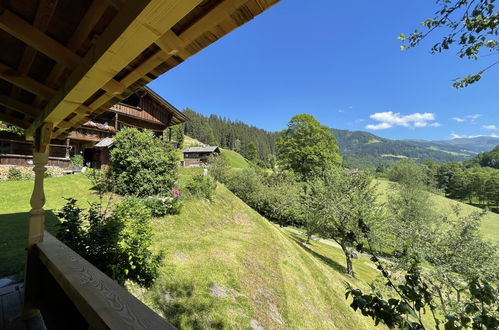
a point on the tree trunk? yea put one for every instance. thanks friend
(348, 259)
(309, 236)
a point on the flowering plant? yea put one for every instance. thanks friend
(175, 193)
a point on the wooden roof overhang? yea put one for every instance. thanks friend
(65, 61)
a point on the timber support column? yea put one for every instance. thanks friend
(36, 224)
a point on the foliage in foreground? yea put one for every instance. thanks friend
(142, 165)
(471, 25)
(117, 242)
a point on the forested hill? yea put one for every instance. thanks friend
(363, 149)
(359, 149)
(252, 142)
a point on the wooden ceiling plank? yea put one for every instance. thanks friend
(35, 38)
(91, 17)
(211, 19)
(134, 29)
(14, 104)
(87, 23)
(43, 16)
(14, 121)
(25, 82)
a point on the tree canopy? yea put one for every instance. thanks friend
(471, 25)
(307, 147)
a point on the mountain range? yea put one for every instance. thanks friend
(363, 149)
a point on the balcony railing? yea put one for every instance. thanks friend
(71, 293)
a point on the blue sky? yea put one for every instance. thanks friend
(341, 62)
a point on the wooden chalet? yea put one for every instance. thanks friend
(143, 109)
(63, 62)
(199, 156)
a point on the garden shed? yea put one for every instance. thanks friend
(64, 62)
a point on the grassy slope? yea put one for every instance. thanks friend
(490, 222)
(235, 159)
(14, 205)
(266, 273)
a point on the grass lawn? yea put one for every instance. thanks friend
(490, 222)
(235, 159)
(14, 208)
(226, 266)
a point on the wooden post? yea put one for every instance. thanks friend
(68, 148)
(36, 220)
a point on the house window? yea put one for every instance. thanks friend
(4, 147)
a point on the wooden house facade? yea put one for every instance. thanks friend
(144, 109)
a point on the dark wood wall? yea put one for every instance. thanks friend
(146, 109)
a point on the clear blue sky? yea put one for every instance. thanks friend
(341, 62)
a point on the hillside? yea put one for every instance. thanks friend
(476, 144)
(366, 150)
(224, 265)
(227, 267)
(490, 222)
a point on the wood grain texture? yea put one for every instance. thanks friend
(101, 301)
(135, 28)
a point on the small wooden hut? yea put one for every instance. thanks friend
(63, 62)
(199, 156)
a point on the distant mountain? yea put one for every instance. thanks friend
(363, 149)
(476, 144)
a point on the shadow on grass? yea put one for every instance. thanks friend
(13, 239)
(328, 261)
(181, 307)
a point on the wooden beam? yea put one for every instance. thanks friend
(14, 104)
(13, 121)
(91, 17)
(43, 16)
(25, 82)
(35, 38)
(134, 29)
(211, 19)
(172, 45)
(87, 23)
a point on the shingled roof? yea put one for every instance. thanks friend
(202, 149)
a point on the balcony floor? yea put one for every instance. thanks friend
(10, 307)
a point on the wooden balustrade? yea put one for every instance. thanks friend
(97, 301)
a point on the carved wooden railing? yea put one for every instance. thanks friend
(71, 293)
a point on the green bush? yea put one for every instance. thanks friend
(161, 206)
(15, 174)
(202, 186)
(141, 165)
(219, 168)
(276, 196)
(77, 160)
(117, 243)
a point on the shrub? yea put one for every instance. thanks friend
(275, 196)
(202, 186)
(141, 164)
(14, 174)
(77, 161)
(117, 243)
(161, 206)
(219, 168)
